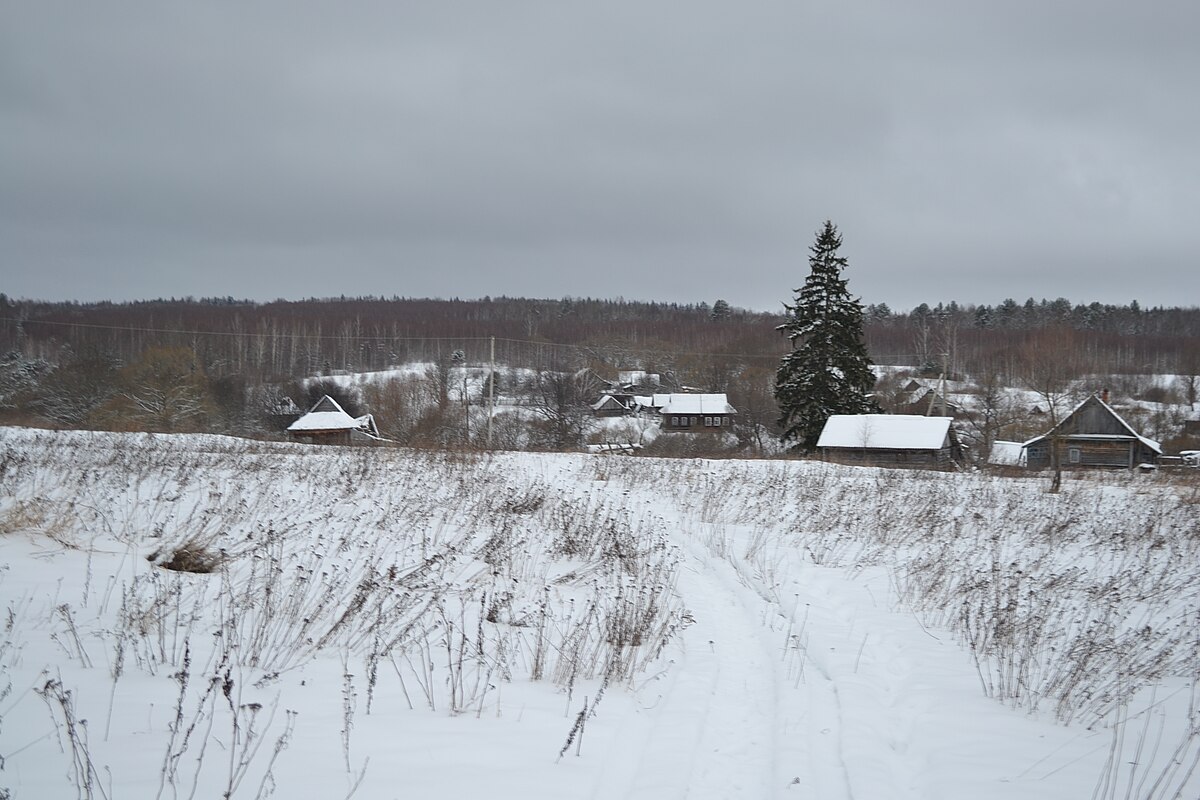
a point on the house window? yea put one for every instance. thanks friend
(716, 422)
(692, 424)
(1073, 455)
(708, 422)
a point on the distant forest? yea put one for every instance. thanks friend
(222, 365)
(288, 339)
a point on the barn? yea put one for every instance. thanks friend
(889, 440)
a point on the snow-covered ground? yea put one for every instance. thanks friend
(389, 623)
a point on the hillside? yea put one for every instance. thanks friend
(194, 615)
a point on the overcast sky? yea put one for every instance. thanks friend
(678, 151)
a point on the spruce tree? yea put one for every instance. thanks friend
(827, 371)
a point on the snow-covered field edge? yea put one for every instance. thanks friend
(390, 623)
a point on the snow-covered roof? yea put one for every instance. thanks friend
(885, 431)
(331, 417)
(607, 400)
(696, 404)
(1007, 453)
(637, 376)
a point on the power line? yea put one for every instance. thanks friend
(247, 334)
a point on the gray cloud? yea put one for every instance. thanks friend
(675, 151)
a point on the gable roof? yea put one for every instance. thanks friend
(1095, 400)
(696, 404)
(885, 432)
(327, 415)
(610, 402)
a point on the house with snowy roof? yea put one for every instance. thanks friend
(904, 440)
(1092, 435)
(692, 412)
(920, 398)
(327, 423)
(613, 404)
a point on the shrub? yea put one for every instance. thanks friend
(193, 555)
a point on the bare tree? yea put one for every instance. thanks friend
(76, 389)
(1049, 366)
(560, 398)
(19, 377)
(164, 390)
(996, 406)
(752, 393)
(1188, 369)
(438, 376)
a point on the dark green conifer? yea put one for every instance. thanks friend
(827, 371)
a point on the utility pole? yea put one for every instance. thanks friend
(491, 388)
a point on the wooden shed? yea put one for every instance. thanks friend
(1095, 436)
(895, 440)
(327, 423)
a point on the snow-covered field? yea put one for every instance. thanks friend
(390, 623)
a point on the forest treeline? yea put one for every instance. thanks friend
(287, 339)
(231, 366)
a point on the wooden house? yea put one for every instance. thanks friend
(613, 404)
(918, 398)
(327, 423)
(1093, 435)
(693, 412)
(896, 440)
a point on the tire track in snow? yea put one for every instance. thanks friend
(861, 715)
(844, 725)
(738, 715)
(712, 731)
(827, 776)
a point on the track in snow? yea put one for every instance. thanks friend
(754, 703)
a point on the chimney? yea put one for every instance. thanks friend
(1104, 395)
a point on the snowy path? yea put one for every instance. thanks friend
(742, 714)
(811, 683)
(708, 728)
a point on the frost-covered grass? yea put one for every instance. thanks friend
(204, 616)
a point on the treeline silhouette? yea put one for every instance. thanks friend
(287, 339)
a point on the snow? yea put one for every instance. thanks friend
(797, 655)
(694, 404)
(633, 376)
(891, 431)
(325, 421)
(607, 400)
(1008, 454)
(335, 420)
